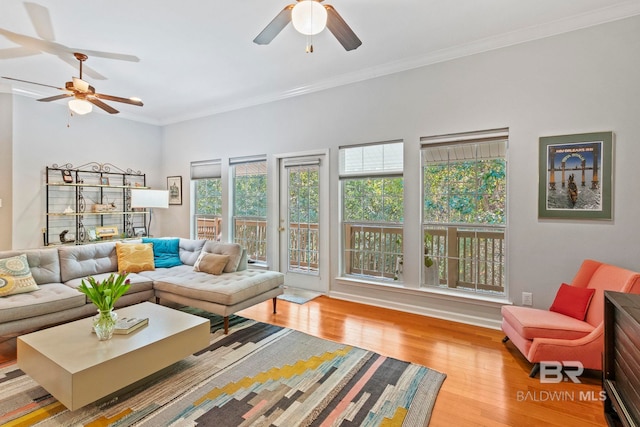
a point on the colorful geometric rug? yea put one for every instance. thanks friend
(258, 375)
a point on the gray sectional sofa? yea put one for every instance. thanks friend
(58, 271)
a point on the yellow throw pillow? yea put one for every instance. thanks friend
(134, 257)
(15, 276)
(211, 263)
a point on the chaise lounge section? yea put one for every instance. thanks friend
(58, 271)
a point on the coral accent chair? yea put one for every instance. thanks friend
(543, 335)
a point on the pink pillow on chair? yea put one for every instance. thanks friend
(572, 301)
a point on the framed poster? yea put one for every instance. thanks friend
(140, 231)
(575, 176)
(174, 185)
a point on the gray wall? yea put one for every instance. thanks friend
(6, 128)
(583, 81)
(41, 137)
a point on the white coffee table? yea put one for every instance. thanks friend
(77, 369)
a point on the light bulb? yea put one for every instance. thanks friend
(309, 17)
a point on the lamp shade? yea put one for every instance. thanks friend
(149, 198)
(80, 106)
(309, 17)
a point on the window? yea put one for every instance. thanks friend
(250, 206)
(372, 209)
(207, 208)
(464, 211)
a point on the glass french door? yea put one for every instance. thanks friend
(303, 214)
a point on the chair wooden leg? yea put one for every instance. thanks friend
(534, 370)
(505, 339)
(274, 304)
(226, 325)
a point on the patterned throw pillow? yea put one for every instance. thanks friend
(134, 257)
(15, 276)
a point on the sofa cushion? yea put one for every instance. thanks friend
(211, 263)
(87, 260)
(138, 283)
(190, 250)
(134, 257)
(15, 276)
(533, 323)
(572, 301)
(166, 252)
(234, 251)
(43, 263)
(226, 289)
(50, 298)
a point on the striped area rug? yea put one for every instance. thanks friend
(258, 375)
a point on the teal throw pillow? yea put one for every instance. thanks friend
(166, 252)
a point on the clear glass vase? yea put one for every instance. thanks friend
(104, 323)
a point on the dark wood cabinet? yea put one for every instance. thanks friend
(621, 369)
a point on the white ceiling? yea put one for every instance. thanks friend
(192, 58)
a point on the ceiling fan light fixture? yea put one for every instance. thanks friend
(80, 106)
(309, 17)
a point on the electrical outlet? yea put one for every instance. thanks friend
(527, 298)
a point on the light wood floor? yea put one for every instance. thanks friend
(487, 382)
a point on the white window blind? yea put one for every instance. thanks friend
(375, 159)
(486, 145)
(206, 169)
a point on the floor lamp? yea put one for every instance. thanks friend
(149, 199)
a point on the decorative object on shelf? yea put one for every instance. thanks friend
(104, 296)
(104, 180)
(68, 210)
(106, 232)
(100, 207)
(174, 185)
(67, 177)
(575, 176)
(66, 237)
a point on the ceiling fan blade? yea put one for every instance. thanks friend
(109, 109)
(341, 30)
(130, 101)
(109, 55)
(16, 52)
(41, 20)
(55, 98)
(33, 83)
(273, 29)
(86, 70)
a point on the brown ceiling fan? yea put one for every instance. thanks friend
(334, 23)
(80, 90)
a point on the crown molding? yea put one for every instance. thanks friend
(574, 23)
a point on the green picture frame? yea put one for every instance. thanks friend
(575, 179)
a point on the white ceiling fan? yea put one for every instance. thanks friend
(310, 17)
